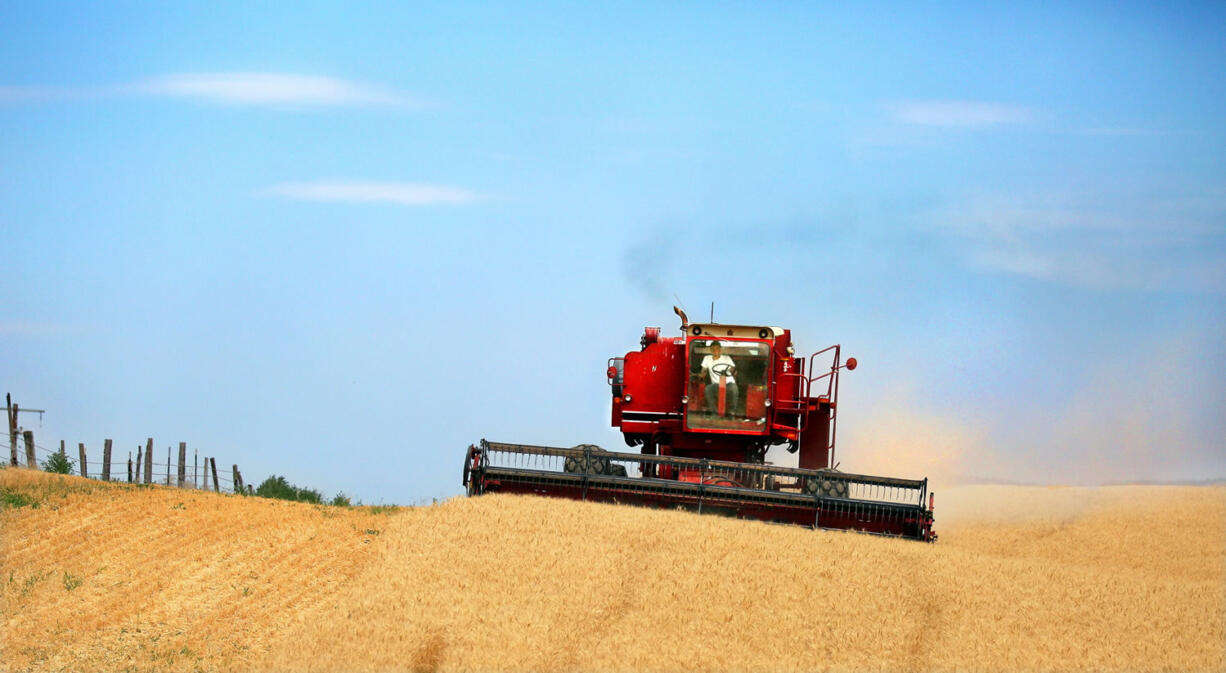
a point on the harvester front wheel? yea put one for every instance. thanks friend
(826, 486)
(597, 465)
(590, 462)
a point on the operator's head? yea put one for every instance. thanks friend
(716, 347)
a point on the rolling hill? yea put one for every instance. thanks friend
(115, 577)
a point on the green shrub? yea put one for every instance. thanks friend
(279, 487)
(59, 463)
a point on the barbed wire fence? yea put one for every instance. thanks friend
(201, 473)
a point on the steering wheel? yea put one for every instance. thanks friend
(723, 369)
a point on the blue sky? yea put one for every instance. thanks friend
(341, 243)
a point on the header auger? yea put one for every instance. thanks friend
(703, 409)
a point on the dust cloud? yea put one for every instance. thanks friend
(897, 437)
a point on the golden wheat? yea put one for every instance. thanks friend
(111, 577)
(1065, 579)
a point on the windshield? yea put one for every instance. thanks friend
(728, 384)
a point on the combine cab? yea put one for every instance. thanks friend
(703, 409)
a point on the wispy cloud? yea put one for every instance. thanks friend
(959, 113)
(258, 88)
(395, 193)
(229, 88)
(1175, 244)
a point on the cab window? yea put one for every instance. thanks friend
(728, 384)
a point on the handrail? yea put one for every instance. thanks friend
(834, 367)
(832, 390)
(802, 393)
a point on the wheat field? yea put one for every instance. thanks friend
(109, 577)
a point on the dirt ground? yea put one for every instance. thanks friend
(109, 577)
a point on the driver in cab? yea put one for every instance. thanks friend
(718, 365)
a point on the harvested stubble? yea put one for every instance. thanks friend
(1119, 578)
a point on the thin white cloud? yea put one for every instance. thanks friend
(261, 88)
(1018, 262)
(1153, 244)
(959, 113)
(229, 88)
(395, 193)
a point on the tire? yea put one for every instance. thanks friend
(598, 465)
(826, 486)
(589, 465)
(573, 465)
(834, 488)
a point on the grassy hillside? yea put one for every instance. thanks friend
(115, 577)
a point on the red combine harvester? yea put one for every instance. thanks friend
(703, 410)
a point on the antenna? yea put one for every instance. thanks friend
(712, 312)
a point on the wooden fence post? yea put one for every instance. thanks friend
(31, 461)
(12, 408)
(139, 457)
(84, 470)
(149, 461)
(182, 463)
(238, 480)
(62, 451)
(213, 465)
(106, 460)
(130, 465)
(195, 468)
